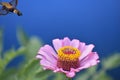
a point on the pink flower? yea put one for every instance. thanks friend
(69, 56)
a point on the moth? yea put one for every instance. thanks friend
(9, 7)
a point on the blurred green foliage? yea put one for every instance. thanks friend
(30, 68)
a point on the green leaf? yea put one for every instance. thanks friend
(1, 66)
(92, 70)
(84, 76)
(33, 47)
(59, 76)
(111, 62)
(101, 76)
(28, 71)
(8, 56)
(8, 74)
(1, 41)
(87, 73)
(44, 74)
(22, 37)
(21, 50)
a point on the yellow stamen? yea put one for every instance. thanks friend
(68, 53)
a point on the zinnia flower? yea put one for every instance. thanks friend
(69, 56)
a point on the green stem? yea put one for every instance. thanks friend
(68, 78)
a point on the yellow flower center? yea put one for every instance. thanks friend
(68, 53)
(68, 57)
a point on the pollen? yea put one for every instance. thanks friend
(68, 57)
(68, 53)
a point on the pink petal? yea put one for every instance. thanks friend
(70, 74)
(90, 60)
(75, 43)
(39, 57)
(48, 65)
(66, 41)
(57, 43)
(48, 57)
(50, 50)
(81, 46)
(57, 70)
(86, 51)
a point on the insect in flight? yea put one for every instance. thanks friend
(9, 7)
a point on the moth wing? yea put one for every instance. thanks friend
(14, 3)
(3, 12)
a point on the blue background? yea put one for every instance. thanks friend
(90, 21)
